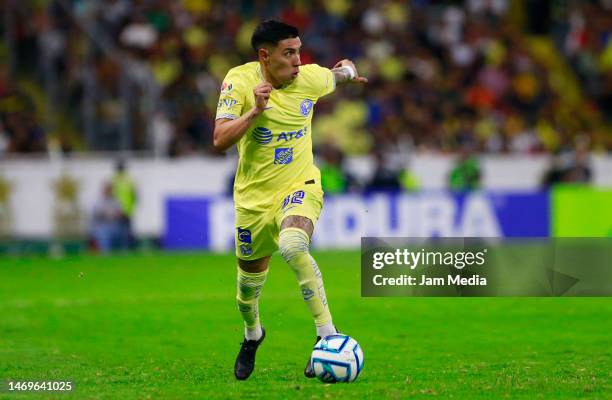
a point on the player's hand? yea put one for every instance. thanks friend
(262, 94)
(349, 63)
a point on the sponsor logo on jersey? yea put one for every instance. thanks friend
(262, 135)
(246, 249)
(244, 235)
(227, 103)
(305, 107)
(283, 155)
(287, 136)
(226, 88)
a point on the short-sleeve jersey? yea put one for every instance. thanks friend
(276, 151)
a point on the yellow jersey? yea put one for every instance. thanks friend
(276, 151)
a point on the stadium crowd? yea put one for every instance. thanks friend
(489, 76)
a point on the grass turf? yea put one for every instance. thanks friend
(166, 326)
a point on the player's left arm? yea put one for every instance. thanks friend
(345, 71)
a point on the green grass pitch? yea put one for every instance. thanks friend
(166, 326)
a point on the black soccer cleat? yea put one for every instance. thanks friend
(245, 362)
(309, 370)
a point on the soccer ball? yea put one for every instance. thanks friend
(337, 358)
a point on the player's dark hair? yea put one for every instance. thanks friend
(271, 32)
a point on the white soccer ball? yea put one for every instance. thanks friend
(337, 358)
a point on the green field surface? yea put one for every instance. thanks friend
(166, 326)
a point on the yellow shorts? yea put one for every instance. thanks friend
(257, 232)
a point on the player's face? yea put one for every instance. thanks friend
(284, 60)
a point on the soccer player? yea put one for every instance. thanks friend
(266, 108)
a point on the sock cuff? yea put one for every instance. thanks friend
(293, 231)
(253, 275)
(292, 243)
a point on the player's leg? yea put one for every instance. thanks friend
(251, 278)
(252, 275)
(294, 243)
(255, 242)
(299, 211)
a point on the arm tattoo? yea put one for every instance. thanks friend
(341, 75)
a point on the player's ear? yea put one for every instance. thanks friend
(264, 54)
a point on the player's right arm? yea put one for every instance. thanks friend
(229, 131)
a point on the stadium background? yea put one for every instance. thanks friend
(481, 118)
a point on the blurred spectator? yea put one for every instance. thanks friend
(106, 221)
(409, 181)
(554, 174)
(334, 178)
(20, 130)
(465, 176)
(138, 33)
(4, 140)
(569, 167)
(163, 133)
(442, 74)
(124, 193)
(385, 178)
(579, 170)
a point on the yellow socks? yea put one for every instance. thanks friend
(293, 244)
(249, 288)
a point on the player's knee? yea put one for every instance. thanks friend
(293, 243)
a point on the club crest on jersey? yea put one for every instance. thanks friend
(244, 235)
(305, 107)
(283, 155)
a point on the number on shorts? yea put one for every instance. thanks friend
(295, 198)
(286, 201)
